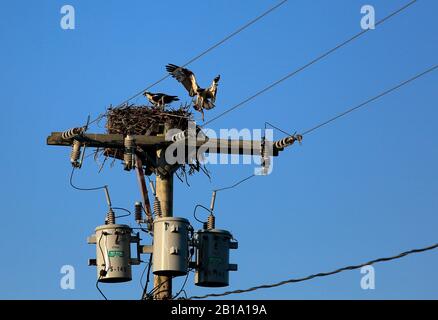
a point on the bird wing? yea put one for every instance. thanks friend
(213, 88)
(185, 76)
(170, 99)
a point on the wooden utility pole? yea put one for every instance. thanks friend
(150, 153)
(164, 193)
(164, 190)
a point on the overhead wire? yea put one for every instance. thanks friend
(104, 187)
(353, 267)
(186, 278)
(201, 54)
(306, 132)
(123, 215)
(318, 275)
(155, 289)
(307, 65)
(98, 289)
(380, 95)
(210, 210)
(83, 189)
(277, 128)
(145, 287)
(196, 208)
(236, 184)
(182, 287)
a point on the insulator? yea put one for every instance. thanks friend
(157, 208)
(179, 136)
(211, 221)
(265, 158)
(280, 144)
(110, 217)
(213, 200)
(138, 211)
(75, 154)
(129, 155)
(72, 133)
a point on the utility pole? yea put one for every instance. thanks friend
(150, 153)
(164, 186)
(164, 191)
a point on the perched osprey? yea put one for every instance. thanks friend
(159, 100)
(205, 98)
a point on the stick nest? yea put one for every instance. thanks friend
(146, 120)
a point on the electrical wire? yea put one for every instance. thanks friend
(83, 189)
(433, 68)
(277, 128)
(200, 206)
(154, 290)
(100, 275)
(318, 275)
(183, 285)
(210, 48)
(145, 287)
(187, 275)
(98, 289)
(236, 184)
(123, 209)
(142, 275)
(307, 65)
(217, 44)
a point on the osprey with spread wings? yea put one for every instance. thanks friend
(205, 98)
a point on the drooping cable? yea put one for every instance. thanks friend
(318, 275)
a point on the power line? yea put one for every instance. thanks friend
(185, 280)
(145, 287)
(98, 289)
(433, 68)
(217, 44)
(236, 184)
(307, 65)
(318, 275)
(122, 215)
(83, 189)
(196, 208)
(100, 274)
(277, 128)
(155, 289)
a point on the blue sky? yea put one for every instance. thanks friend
(361, 188)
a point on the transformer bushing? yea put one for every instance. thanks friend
(170, 247)
(113, 252)
(212, 257)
